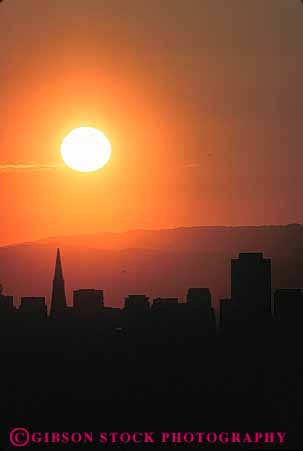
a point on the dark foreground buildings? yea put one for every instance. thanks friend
(250, 304)
(288, 305)
(156, 364)
(251, 285)
(88, 301)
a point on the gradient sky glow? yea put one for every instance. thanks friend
(202, 102)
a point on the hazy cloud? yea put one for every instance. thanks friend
(31, 166)
(192, 165)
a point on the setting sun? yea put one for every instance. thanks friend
(85, 149)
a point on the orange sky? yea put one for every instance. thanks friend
(201, 101)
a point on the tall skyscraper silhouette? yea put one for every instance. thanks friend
(58, 302)
(251, 285)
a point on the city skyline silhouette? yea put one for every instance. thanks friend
(151, 243)
(157, 352)
(251, 298)
(199, 256)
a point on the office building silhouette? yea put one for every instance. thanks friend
(33, 307)
(199, 298)
(58, 301)
(136, 303)
(251, 286)
(200, 314)
(88, 301)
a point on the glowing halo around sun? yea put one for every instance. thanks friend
(85, 149)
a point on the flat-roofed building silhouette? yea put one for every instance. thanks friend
(251, 286)
(167, 318)
(88, 301)
(33, 307)
(200, 314)
(199, 298)
(136, 313)
(137, 303)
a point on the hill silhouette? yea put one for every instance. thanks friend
(154, 262)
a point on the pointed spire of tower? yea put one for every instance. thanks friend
(58, 302)
(58, 267)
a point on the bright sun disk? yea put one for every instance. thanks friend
(85, 149)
